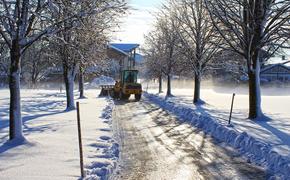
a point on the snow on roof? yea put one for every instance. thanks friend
(117, 49)
(270, 66)
(274, 60)
(124, 47)
(287, 63)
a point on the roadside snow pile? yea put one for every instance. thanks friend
(102, 80)
(256, 151)
(107, 112)
(107, 150)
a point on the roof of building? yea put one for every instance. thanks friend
(124, 47)
(287, 63)
(119, 50)
(270, 66)
(275, 60)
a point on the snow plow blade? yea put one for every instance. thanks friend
(106, 90)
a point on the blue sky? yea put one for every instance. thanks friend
(139, 22)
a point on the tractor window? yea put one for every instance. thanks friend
(130, 76)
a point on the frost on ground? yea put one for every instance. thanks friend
(51, 150)
(257, 140)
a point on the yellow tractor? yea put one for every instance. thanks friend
(127, 86)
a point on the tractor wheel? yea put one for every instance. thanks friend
(137, 97)
(115, 95)
(124, 96)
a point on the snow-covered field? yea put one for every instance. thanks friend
(274, 131)
(51, 150)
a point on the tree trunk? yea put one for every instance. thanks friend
(69, 87)
(168, 94)
(255, 110)
(69, 69)
(196, 98)
(33, 76)
(81, 83)
(33, 82)
(15, 127)
(160, 83)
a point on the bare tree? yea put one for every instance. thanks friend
(71, 50)
(200, 41)
(23, 22)
(91, 43)
(153, 60)
(228, 66)
(17, 28)
(248, 27)
(164, 42)
(4, 62)
(37, 62)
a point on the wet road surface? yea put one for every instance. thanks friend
(155, 144)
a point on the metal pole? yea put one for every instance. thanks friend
(233, 98)
(80, 141)
(134, 60)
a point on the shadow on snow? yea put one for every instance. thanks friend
(40, 106)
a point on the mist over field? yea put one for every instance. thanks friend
(273, 89)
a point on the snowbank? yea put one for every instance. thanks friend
(108, 148)
(256, 151)
(102, 80)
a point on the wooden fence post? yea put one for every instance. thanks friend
(233, 98)
(80, 141)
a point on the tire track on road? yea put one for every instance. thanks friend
(154, 144)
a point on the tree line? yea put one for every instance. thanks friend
(42, 34)
(193, 36)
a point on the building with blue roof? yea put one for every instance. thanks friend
(128, 48)
(124, 53)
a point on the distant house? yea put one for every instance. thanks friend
(125, 54)
(276, 72)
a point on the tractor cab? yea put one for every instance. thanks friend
(129, 76)
(128, 85)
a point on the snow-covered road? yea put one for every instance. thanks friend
(155, 144)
